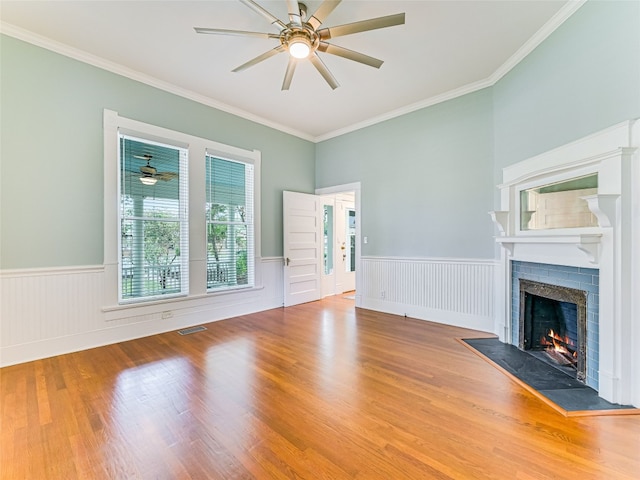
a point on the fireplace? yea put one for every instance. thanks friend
(572, 294)
(553, 326)
(572, 249)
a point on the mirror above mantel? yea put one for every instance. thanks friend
(558, 205)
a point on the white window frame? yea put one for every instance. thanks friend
(251, 213)
(183, 221)
(197, 148)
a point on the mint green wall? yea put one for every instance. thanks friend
(51, 153)
(585, 77)
(426, 179)
(429, 178)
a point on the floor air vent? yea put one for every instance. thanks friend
(187, 331)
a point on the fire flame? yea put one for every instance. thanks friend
(555, 342)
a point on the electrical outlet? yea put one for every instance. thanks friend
(167, 314)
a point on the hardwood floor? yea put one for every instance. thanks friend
(317, 391)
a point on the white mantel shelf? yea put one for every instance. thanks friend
(588, 238)
(587, 243)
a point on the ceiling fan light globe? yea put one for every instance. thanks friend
(148, 180)
(299, 48)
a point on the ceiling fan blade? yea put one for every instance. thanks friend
(361, 26)
(165, 176)
(288, 75)
(324, 71)
(258, 9)
(349, 54)
(294, 12)
(322, 12)
(260, 58)
(222, 31)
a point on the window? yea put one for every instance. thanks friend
(230, 228)
(153, 219)
(328, 239)
(351, 243)
(181, 218)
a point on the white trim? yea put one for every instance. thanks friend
(68, 315)
(118, 69)
(41, 272)
(612, 153)
(118, 312)
(450, 95)
(197, 149)
(355, 187)
(445, 317)
(150, 324)
(457, 292)
(272, 259)
(588, 150)
(541, 35)
(485, 261)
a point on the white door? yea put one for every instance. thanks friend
(302, 247)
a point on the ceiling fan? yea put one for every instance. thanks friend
(302, 38)
(149, 175)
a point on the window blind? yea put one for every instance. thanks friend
(230, 223)
(154, 238)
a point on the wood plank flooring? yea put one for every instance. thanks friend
(317, 391)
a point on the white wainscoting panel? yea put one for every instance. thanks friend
(46, 312)
(453, 291)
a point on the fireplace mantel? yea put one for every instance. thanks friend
(574, 250)
(612, 154)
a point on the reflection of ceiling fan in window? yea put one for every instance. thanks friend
(149, 175)
(302, 38)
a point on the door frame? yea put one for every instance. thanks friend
(355, 188)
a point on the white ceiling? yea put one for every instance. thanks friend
(445, 48)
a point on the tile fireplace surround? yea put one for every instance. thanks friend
(610, 250)
(586, 279)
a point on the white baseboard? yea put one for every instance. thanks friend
(463, 320)
(457, 292)
(69, 314)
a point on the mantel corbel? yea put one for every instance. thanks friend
(590, 245)
(604, 207)
(501, 220)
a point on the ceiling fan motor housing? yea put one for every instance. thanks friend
(305, 34)
(148, 170)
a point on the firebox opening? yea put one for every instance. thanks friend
(553, 326)
(552, 329)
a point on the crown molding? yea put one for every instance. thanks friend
(450, 95)
(540, 36)
(547, 29)
(113, 67)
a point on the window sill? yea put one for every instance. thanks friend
(158, 306)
